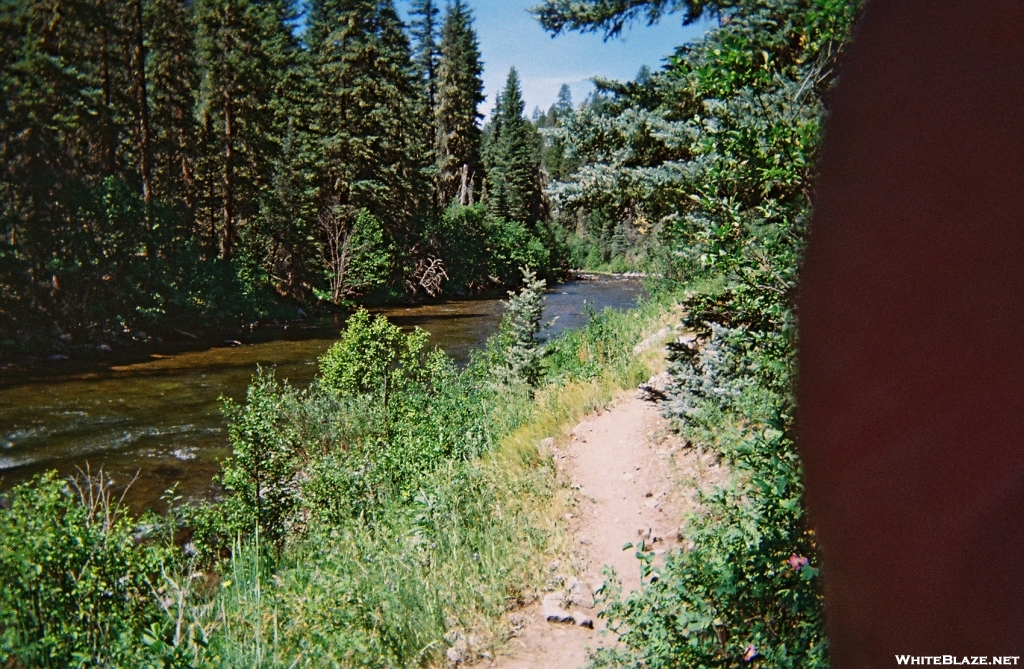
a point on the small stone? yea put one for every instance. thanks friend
(454, 656)
(648, 494)
(652, 504)
(580, 595)
(547, 443)
(582, 620)
(553, 611)
(555, 564)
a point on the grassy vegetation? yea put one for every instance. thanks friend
(395, 510)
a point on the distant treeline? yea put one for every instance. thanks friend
(188, 162)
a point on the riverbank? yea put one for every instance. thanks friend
(158, 415)
(130, 347)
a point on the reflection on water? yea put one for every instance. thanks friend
(160, 417)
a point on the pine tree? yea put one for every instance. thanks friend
(460, 93)
(426, 49)
(286, 226)
(63, 117)
(563, 107)
(370, 154)
(425, 29)
(513, 170)
(554, 160)
(242, 47)
(173, 79)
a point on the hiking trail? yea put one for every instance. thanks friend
(632, 479)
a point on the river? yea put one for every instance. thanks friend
(157, 420)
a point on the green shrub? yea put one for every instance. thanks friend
(373, 357)
(481, 251)
(77, 588)
(262, 476)
(514, 353)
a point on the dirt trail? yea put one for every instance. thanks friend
(631, 479)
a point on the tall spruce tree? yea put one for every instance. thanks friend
(370, 153)
(563, 106)
(460, 93)
(513, 169)
(285, 229)
(173, 79)
(555, 160)
(424, 28)
(425, 31)
(240, 50)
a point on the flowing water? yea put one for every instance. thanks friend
(158, 420)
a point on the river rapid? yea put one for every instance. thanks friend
(158, 422)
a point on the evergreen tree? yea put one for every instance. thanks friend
(426, 51)
(242, 49)
(173, 79)
(460, 93)
(370, 155)
(554, 158)
(563, 107)
(64, 124)
(286, 227)
(513, 170)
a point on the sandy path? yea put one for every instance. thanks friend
(630, 477)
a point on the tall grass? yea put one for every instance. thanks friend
(441, 570)
(363, 533)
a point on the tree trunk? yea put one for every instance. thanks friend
(143, 103)
(464, 192)
(186, 177)
(108, 141)
(229, 177)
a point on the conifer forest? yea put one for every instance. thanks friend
(170, 168)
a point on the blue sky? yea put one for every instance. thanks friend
(510, 36)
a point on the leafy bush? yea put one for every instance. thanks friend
(263, 473)
(77, 587)
(372, 357)
(380, 418)
(482, 251)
